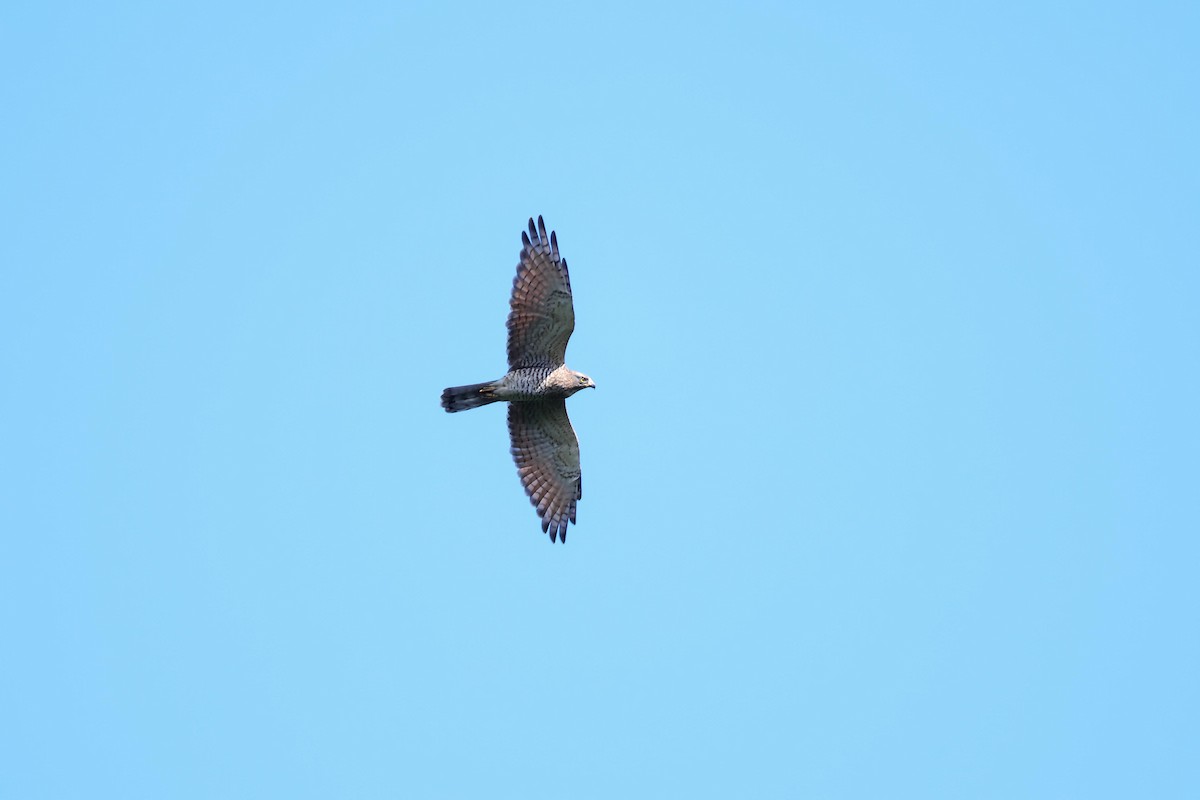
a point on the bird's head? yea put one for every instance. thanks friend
(582, 381)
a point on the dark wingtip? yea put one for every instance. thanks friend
(532, 230)
(525, 239)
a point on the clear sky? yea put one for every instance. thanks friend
(892, 472)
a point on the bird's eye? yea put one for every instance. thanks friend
(582, 379)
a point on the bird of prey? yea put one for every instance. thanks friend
(538, 383)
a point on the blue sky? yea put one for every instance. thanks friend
(891, 473)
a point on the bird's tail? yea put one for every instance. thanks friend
(461, 398)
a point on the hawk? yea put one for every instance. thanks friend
(538, 383)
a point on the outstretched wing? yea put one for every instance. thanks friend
(547, 455)
(542, 316)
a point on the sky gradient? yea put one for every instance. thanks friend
(891, 472)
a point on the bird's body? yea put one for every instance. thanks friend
(522, 384)
(538, 383)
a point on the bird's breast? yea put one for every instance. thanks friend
(530, 383)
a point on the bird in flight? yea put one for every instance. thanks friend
(538, 383)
